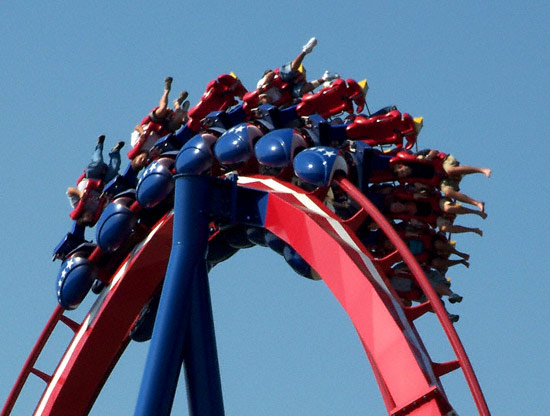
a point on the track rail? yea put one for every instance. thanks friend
(357, 280)
(433, 300)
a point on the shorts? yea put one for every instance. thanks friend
(450, 183)
(450, 161)
(453, 182)
(437, 278)
(287, 75)
(401, 284)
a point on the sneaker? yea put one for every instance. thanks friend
(182, 97)
(454, 298)
(328, 76)
(117, 146)
(168, 83)
(100, 139)
(97, 286)
(453, 318)
(308, 47)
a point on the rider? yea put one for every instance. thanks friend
(282, 85)
(159, 122)
(438, 169)
(86, 198)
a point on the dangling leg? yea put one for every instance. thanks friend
(114, 162)
(452, 208)
(445, 248)
(307, 48)
(179, 101)
(162, 109)
(451, 263)
(466, 170)
(459, 196)
(442, 263)
(96, 166)
(457, 229)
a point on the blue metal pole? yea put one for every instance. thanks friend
(204, 390)
(166, 352)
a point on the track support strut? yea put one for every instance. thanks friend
(184, 328)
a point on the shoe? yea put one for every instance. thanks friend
(327, 76)
(117, 146)
(168, 83)
(453, 318)
(454, 298)
(97, 286)
(182, 97)
(308, 47)
(100, 139)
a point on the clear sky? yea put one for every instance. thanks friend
(476, 71)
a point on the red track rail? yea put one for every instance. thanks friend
(31, 360)
(426, 287)
(385, 327)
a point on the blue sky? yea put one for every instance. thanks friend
(477, 73)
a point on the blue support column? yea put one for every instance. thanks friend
(204, 390)
(180, 291)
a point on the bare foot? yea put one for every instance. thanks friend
(478, 232)
(482, 215)
(487, 172)
(480, 206)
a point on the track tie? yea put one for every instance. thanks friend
(356, 220)
(415, 404)
(386, 262)
(70, 323)
(414, 312)
(40, 374)
(440, 369)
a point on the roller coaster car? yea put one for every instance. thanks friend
(236, 144)
(251, 100)
(388, 128)
(76, 277)
(334, 99)
(166, 145)
(368, 165)
(325, 134)
(71, 242)
(121, 183)
(219, 95)
(271, 117)
(277, 148)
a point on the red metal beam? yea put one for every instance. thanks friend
(426, 287)
(31, 360)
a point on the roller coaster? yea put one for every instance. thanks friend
(293, 177)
